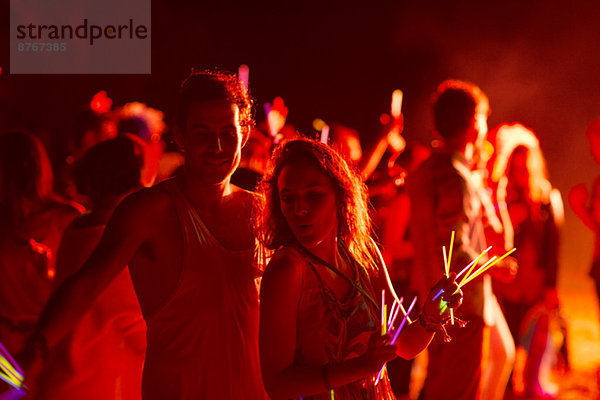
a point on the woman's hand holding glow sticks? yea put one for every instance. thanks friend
(380, 351)
(451, 297)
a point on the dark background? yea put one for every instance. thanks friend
(539, 62)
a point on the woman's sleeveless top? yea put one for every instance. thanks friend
(330, 330)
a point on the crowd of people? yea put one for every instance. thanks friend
(258, 262)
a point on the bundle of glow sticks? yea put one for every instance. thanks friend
(11, 373)
(387, 323)
(468, 272)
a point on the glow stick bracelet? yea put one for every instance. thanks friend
(396, 103)
(397, 333)
(391, 322)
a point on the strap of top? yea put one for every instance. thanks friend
(335, 270)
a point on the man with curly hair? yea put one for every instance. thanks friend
(191, 255)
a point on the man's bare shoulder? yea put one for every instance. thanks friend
(145, 205)
(244, 199)
(243, 194)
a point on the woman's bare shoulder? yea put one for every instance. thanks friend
(286, 261)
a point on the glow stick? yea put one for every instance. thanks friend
(396, 103)
(9, 370)
(476, 273)
(384, 321)
(14, 394)
(448, 271)
(450, 255)
(392, 311)
(491, 264)
(398, 333)
(472, 263)
(11, 360)
(404, 313)
(9, 377)
(243, 74)
(382, 309)
(404, 320)
(332, 394)
(10, 380)
(6, 365)
(325, 134)
(396, 311)
(445, 260)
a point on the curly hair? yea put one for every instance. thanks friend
(354, 224)
(214, 85)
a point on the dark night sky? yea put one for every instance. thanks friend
(538, 61)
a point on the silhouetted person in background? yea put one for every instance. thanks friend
(587, 207)
(32, 222)
(532, 212)
(103, 356)
(446, 197)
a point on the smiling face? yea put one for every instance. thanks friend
(212, 140)
(308, 203)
